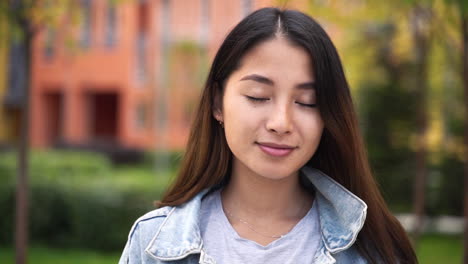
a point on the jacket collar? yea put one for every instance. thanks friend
(341, 215)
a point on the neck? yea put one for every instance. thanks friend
(250, 195)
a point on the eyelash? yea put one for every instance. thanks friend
(257, 100)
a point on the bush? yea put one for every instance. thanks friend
(169, 160)
(52, 165)
(446, 188)
(77, 199)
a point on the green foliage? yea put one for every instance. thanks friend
(78, 199)
(52, 165)
(47, 255)
(447, 188)
(386, 134)
(462, 5)
(171, 159)
(188, 47)
(379, 55)
(387, 115)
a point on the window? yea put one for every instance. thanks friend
(49, 43)
(141, 57)
(142, 39)
(143, 16)
(141, 118)
(85, 30)
(111, 24)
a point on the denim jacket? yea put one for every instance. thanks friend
(171, 235)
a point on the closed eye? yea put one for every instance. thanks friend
(307, 105)
(256, 99)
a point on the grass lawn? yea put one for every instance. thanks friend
(42, 255)
(440, 249)
(432, 249)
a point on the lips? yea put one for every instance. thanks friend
(276, 150)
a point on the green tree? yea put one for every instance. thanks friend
(379, 23)
(25, 19)
(459, 49)
(463, 8)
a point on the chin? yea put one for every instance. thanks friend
(275, 174)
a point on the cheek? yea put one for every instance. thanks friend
(242, 124)
(241, 113)
(311, 127)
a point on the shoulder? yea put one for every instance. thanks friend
(163, 232)
(141, 234)
(146, 227)
(149, 223)
(154, 214)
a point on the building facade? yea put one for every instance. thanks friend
(128, 74)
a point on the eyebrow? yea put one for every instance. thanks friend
(265, 80)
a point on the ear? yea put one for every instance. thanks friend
(218, 115)
(217, 102)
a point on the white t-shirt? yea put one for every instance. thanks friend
(225, 246)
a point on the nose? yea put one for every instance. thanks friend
(280, 120)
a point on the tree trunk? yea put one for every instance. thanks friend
(21, 228)
(22, 180)
(420, 21)
(465, 84)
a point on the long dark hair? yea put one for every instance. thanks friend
(341, 153)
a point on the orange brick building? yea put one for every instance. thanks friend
(128, 74)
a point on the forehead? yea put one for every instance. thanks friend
(278, 58)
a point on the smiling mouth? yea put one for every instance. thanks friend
(275, 150)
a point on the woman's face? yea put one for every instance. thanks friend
(271, 121)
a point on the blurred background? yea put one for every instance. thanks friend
(97, 96)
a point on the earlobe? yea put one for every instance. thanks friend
(217, 103)
(218, 115)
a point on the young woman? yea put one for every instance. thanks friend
(275, 169)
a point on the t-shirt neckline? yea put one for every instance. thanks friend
(233, 233)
